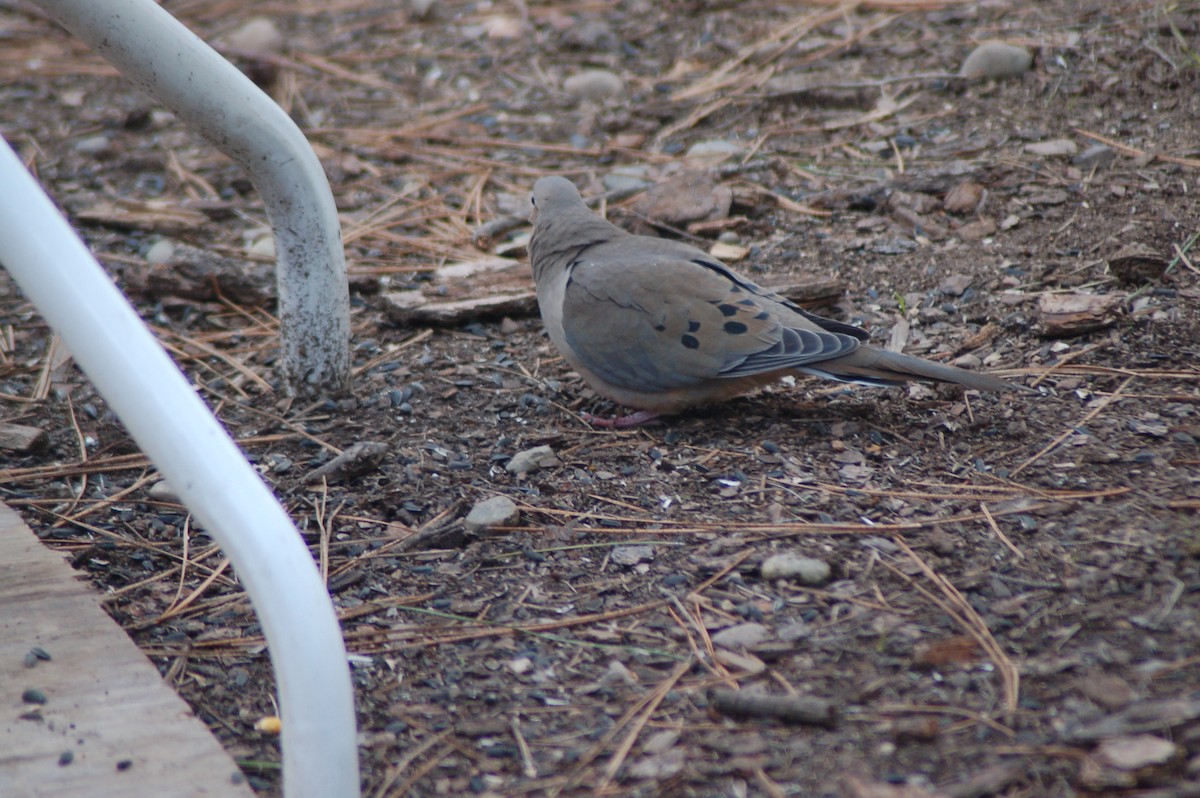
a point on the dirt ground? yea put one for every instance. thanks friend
(1005, 598)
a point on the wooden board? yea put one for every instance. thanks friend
(127, 732)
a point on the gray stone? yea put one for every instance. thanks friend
(1097, 156)
(955, 285)
(160, 251)
(996, 60)
(805, 570)
(256, 36)
(619, 181)
(424, 9)
(595, 85)
(162, 491)
(263, 247)
(496, 511)
(744, 635)
(631, 555)
(590, 34)
(711, 153)
(531, 460)
(93, 145)
(968, 361)
(1056, 148)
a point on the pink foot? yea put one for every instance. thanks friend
(622, 422)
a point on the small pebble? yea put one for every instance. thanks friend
(711, 153)
(258, 35)
(883, 545)
(744, 635)
(32, 696)
(805, 570)
(728, 252)
(124, 764)
(531, 460)
(31, 660)
(963, 198)
(1056, 148)
(595, 85)
(617, 181)
(955, 285)
(500, 27)
(590, 34)
(162, 491)
(996, 60)
(160, 251)
(631, 555)
(1097, 156)
(968, 361)
(424, 9)
(93, 145)
(496, 511)
(263, 247)
(66, 758)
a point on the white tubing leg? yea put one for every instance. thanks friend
(160, 55)
(176, 430)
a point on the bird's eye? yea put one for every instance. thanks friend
(533, 201)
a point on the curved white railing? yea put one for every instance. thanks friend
(172, 64)
(176, 430)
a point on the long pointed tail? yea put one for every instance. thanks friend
(869, 365)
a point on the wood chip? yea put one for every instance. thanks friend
(156, 215)
(690, 196)
(1136, 264)
(730, 253)
(411, 307)
(20, 438)
(203, 276)
(789, 709)
(1066, 315)
(1144, 716)
(358, 459)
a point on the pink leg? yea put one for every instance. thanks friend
(622, 422)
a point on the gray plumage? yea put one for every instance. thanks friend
(660, 325)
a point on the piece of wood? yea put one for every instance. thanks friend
(1066, 315)
(203, 276)
(20, 438)
(787, 708)
(1137, 264)
(360, 458)
(412, 307)
(155, 215)
(109, 726)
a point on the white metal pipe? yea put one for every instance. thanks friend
(176, 430)
(160, 55)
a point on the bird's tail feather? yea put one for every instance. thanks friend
(868, 365)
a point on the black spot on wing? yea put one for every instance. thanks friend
(762, 316)
(735, 327)
(690, 342)
(693, 326)
(660, 327)
(727, 310)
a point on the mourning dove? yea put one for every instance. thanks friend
(661, 326)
